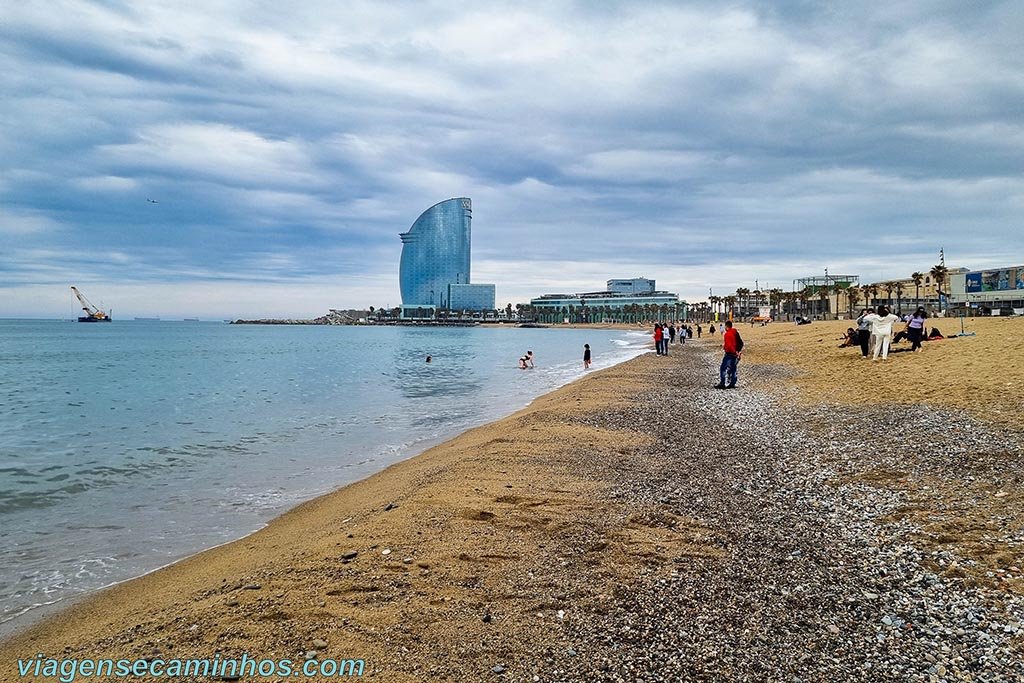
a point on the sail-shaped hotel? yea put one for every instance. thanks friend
(434, 271)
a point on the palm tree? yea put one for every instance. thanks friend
(888, 287)
(870, 294)
(899, 296)
(774, 299)
(852, 297)
(790, 299)
(730, 306)
(917, 278)
(743, 296)
(804, 295)
(939, 273)
(838, 289)
(823, 298)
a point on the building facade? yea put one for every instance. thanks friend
(435, 264)
(470, 297)
(618, 304)
(636, 285)
(992, 292)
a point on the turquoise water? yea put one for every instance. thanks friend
(125, 446)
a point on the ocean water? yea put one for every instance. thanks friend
(128, 445)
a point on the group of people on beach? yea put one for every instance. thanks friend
(667, 333)
(874, 333)
(732, 346)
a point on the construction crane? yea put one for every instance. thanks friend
(92, 314)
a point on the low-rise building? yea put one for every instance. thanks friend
(993, 291)
(631, 300)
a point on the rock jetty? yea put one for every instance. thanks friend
(333, 317)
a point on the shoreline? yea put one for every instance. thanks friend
(101, 611)
(632, 524)
(33, 615)
(36, 614)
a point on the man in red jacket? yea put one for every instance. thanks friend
(732, 344)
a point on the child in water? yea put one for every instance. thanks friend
(586, 356)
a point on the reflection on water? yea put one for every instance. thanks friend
(451, 371)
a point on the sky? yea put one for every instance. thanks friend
(707, 145)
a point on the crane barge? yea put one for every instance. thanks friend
(92, 314)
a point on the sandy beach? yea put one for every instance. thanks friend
(832, 519)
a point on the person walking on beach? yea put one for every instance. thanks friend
(732, 345)
(881, 331)
(586, 356)
(659, 335)
(699, 330)
(682, 334)
(916, 328)
(711, 330)
(864, 332)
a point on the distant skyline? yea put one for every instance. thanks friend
(251, 159)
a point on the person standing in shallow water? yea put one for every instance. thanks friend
(586, 356)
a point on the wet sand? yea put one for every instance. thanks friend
(638, 524)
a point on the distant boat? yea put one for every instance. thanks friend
(191, 320)
(148, 319)
(92, 314)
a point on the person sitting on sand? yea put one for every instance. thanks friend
(849, 339)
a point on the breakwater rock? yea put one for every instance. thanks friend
(333, 317)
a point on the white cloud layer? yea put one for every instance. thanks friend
(702, 144)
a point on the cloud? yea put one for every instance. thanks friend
(225, 153)
(701, 144)
(25, 223)
(107, 183)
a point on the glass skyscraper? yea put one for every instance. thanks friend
(434, 270)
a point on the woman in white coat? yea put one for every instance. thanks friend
(881, 330)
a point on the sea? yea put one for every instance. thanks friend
(125, 446)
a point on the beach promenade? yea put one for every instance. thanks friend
(833, 519)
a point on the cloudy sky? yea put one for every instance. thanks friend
(702, 144)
